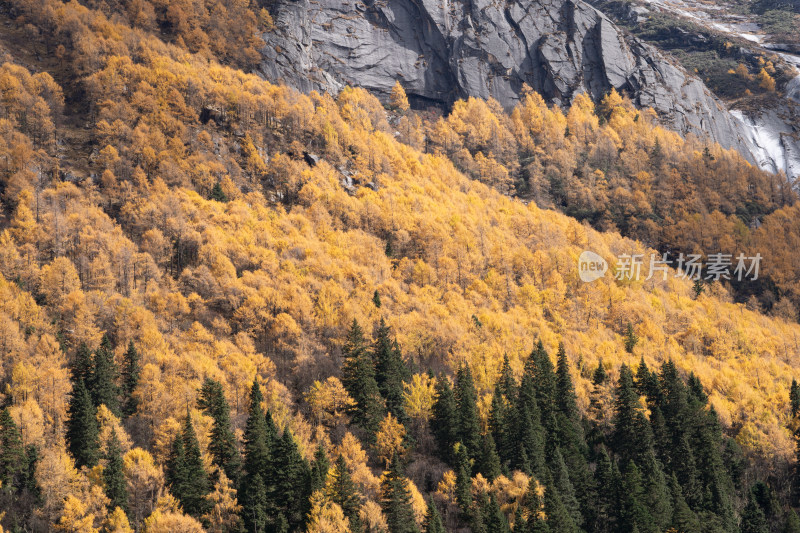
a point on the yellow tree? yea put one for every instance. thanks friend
(398, 100)
(389, 440)
(330, 402)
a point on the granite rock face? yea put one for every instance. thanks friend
(442, 50)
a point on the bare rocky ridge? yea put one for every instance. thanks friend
(442, 50)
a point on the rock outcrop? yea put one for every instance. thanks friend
(441, 50)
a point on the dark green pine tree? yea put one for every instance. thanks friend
(566, 402)
(696, 390)
(217, 193)
(500, 420)
(529, 435)
(463, 469)
(647, 384)
(175, 473)
(80, 367)
(319, 468)
(32, 456)
(188, 479)
(520, 524)
(566, 491)
(376, 299)
(488, 460)
(753, 519)
(501, 426)
(599, 377)
(679, 418)
(792, 523)
(506, 384)
(443, 419)
(634, 516)
(82, 430)
(632, 437)
(252, 491)
(630, 338)
(713, 476)
(494, 519)
(344, 493)
(572, 437)
(541, 369)
(222, 445)
(608, 481)
(358, 378)
(433, 520)
(254, 505)
(468, 424)
(13, 459)
(292, 482)
(114, 476)
(390, 371)
(131, 369)
(103, 380)
(559, 519)
(683, 518)
(794, 397)
(396, 500)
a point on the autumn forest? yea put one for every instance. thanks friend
(229, 306)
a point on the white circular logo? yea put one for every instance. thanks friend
(591, 266)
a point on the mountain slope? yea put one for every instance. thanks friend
(445, 51)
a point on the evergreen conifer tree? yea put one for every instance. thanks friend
(753, 519)
(82, 430)
(292, 482)
(794, 397)
(683, 518)
(792, 523)
(634, 514)
(103, 380)
(358, 378)
(81, 365)
(607, 480)
(443, 419)
(13, 459)
(114, 476)
(463, 470)
(488, 460)
(344, 493)
(559, 519)
(529, 435)
(540, 367)
(468, 425)
(566, 491)
(396, 500)
(188, 479)
(433, 520)
(493, 518)
(632, 435)
(222, 445)
(319, 468)
(252, 493)
(131, 369)
(217, 193)
(390, 371)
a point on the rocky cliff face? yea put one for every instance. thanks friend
(441, 50)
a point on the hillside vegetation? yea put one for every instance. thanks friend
(228, 305)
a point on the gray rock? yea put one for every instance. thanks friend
(442, 50)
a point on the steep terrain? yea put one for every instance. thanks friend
(444, 50)
(227, 305)
(729, 48)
